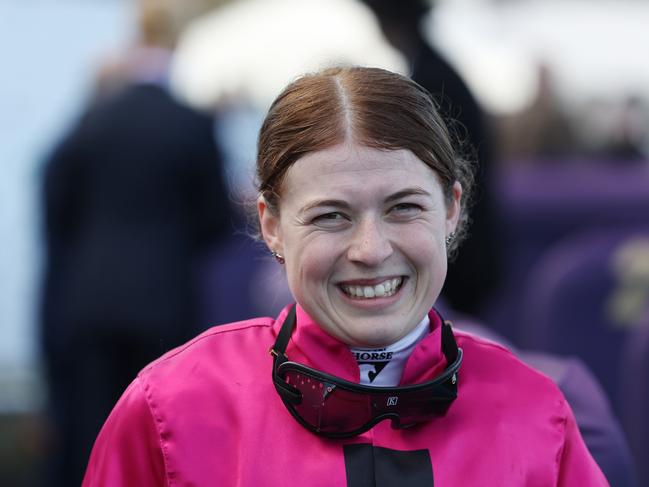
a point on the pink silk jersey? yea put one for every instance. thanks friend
(207, 414)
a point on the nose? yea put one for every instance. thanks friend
(369, 245)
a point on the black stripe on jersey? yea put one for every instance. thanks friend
(373, 466)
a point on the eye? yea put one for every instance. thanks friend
(332, 219)
(406, 209)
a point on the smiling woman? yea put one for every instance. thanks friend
(360, 196)
(376, 193)
(346, 244)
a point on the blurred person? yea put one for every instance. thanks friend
(632, 131)
(131, 195)
(476, 274)
(610, 130)
(542, 131)
(362, 197)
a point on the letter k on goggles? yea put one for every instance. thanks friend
(336, 408)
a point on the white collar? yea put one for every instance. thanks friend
(383, 367)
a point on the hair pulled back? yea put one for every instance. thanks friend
(370, 106)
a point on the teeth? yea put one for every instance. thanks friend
(379, 291)
(384, 289)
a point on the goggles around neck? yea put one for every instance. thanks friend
(336, 408)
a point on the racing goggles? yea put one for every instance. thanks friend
(336, 408)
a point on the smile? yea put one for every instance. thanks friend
(389, 287)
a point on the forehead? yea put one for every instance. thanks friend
(352, 167)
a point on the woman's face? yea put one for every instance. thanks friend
(363, 234)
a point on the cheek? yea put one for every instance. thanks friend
(421, 241)
(429, 263)
(311, 264)
(426, 252)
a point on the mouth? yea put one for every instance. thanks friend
(383, 289)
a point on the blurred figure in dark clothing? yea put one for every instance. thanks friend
(476, 271)
(131, 195)
(630, 136)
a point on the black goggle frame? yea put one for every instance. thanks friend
(299, 385)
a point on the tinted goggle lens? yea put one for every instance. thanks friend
(325, 407)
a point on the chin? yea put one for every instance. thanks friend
(374, 338)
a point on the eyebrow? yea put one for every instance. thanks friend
(414, 191)
(328, 202)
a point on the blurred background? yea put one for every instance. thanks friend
(558, 91)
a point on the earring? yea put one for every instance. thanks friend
(449, 239)
(279, 258)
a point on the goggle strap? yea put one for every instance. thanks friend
(449, 345)
(286, 392)
(278, 351)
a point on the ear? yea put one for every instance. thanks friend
(269, 223)
(454, 207)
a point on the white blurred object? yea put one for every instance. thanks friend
(499, 72)
(593, 49)
(251, 49)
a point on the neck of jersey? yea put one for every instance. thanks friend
(383, 367)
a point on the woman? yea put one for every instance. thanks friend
(362, 197)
